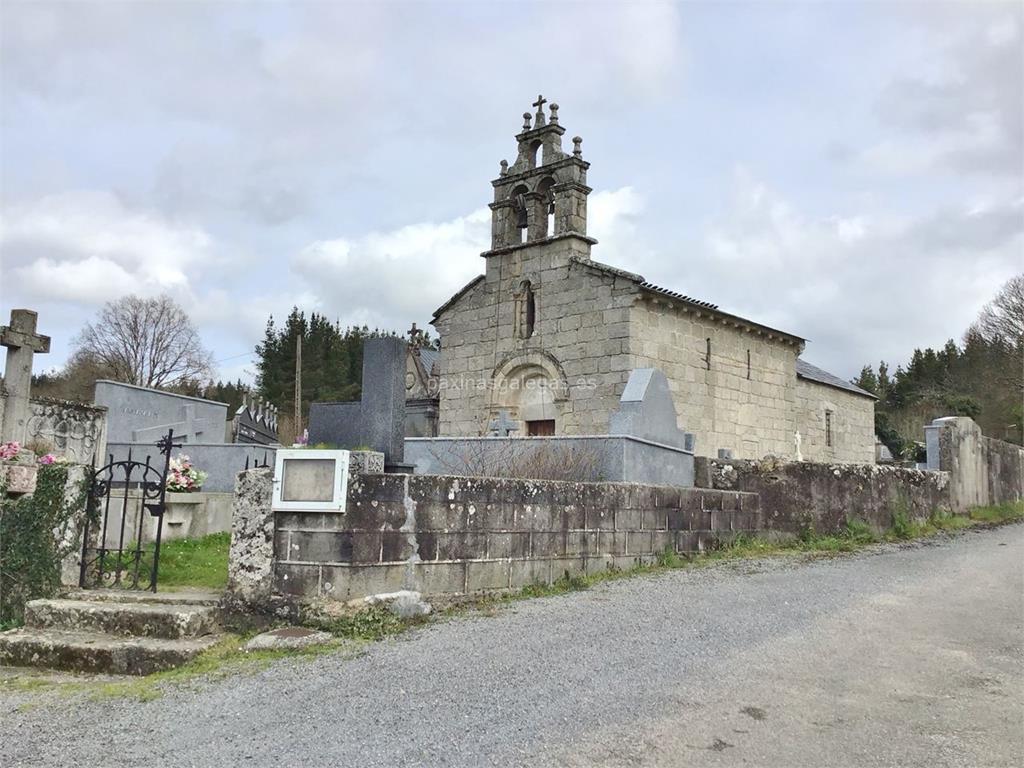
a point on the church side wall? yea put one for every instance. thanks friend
(724, 408)
(581, 332)
(853, 424)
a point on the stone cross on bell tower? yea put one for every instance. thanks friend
(22, 342)
(543, 194)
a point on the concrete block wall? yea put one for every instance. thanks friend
(609, 458)
(221, 461)
(452, 535)
(186, 516)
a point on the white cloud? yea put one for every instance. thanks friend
(962, 106)
(88, 247)
(393, 278)
(860, 286)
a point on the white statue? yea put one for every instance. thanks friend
(797, 439)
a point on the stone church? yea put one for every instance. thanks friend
(549, 336)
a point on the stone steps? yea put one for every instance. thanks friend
(169, 621)
(187, 597)
(97, 652)
(114, 631)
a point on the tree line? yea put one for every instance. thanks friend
(981, 377)
(153, 343)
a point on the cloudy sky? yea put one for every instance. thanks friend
(852, 173)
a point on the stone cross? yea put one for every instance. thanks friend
(415, 337)
(503, 425)
(539, 117)
(22, 342)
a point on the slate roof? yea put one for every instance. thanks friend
(805, 370)
(429, 358)
(691, 302)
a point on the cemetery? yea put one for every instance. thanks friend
(369, 512)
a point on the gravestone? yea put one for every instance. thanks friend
(377, 421)
(646, 411)
(22, 343)
(143, 415)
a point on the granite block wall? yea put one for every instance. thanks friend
(982, 470)
(852, 419)
(725, 403)
(452, 535)
(580, 343)
(798, 495)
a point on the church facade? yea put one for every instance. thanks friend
(549, 336)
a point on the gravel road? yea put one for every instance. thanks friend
(908, 656)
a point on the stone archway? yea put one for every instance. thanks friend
(532, 388)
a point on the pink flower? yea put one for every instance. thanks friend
(47, 459)
(9, 450)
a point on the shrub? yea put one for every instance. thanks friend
(34, 540)
(523, 459)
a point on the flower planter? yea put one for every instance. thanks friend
(179, 510)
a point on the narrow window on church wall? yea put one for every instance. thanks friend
(531, 312)
(748, 364)
(707, 354)
(526, 311)
(828, 429)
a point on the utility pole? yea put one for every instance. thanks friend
(298, 388)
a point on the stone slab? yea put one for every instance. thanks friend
(288, 638)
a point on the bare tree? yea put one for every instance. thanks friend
(1003, 317)
(148, 342)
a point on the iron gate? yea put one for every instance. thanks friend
(113, 552)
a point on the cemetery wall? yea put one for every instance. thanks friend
(853, 424)
(982, 470)
(608, 458)
(724, 407)
(796, 496)
(221, 461)
(450, 535)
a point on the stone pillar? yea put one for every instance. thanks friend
(537, 216)
(251, 556)
(570, 208)
(503, 224)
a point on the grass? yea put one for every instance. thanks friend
(223, 660)
(195, 563)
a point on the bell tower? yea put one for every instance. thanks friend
(543, 194)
